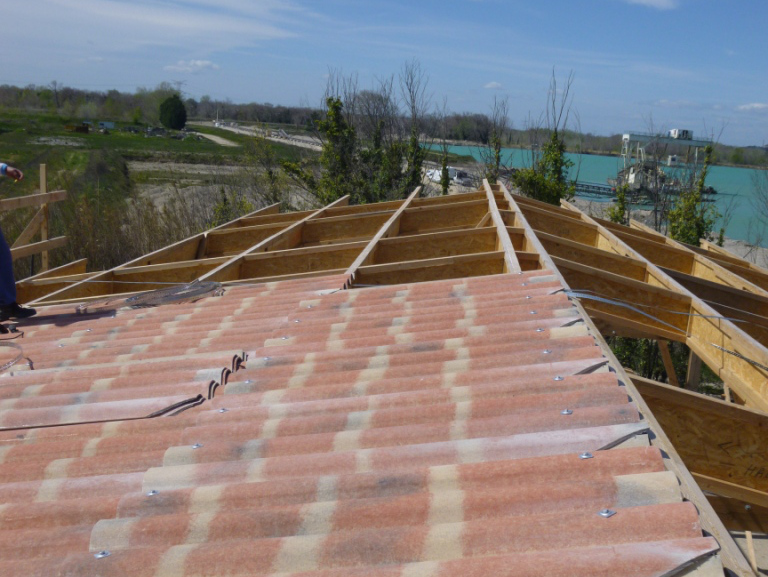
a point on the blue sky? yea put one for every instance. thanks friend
(697, 64)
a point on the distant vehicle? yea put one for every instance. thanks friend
(681, 134)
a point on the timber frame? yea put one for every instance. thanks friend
(39, 225)
(627, 281)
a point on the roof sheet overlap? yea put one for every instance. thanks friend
(437, 428)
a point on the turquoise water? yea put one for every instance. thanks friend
(735, 186)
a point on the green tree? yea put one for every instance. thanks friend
(547, 180)
(230, 207)
(499, 126)
(692, 218)
(445, 176)
(619, 212)
(173, 113)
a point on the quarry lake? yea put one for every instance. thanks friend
(735, 186)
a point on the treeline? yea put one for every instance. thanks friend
(142, 107)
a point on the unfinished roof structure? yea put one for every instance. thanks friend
(408, 388)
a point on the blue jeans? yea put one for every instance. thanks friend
(7, 282)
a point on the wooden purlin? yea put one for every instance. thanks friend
(732, 557)
(706, 329)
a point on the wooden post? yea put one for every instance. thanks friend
(669, 366)
(693, 375)
(45, 222)
(751, 550)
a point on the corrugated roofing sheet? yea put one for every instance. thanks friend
(458, 427)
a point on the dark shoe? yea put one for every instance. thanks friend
(14, 311)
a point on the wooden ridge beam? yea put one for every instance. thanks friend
(503, 242)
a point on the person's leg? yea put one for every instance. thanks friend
(7, 281)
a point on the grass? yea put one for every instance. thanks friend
(29, 139)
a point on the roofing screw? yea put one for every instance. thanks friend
(558, 378)
(297, 321)
(223, 410)
(533, 312)
(248, 381)
(566, 412)
(152, 493)
(284, 338)
(88, 330)
(61, 346)
(197, 445)
(309, 306)
(529, 297)
(546, 351)
(524, 284)
(102, 554)
(267, 358)
(586, 455)
(539, 330)
(607, 513)
(748, 507)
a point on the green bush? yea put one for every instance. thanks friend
(173, 114)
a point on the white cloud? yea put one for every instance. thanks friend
(658, 4)
(752, 106)
(493, 86)
(132, 26)
(191, 66)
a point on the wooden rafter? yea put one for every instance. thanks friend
(503, 242)
(706, 328)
